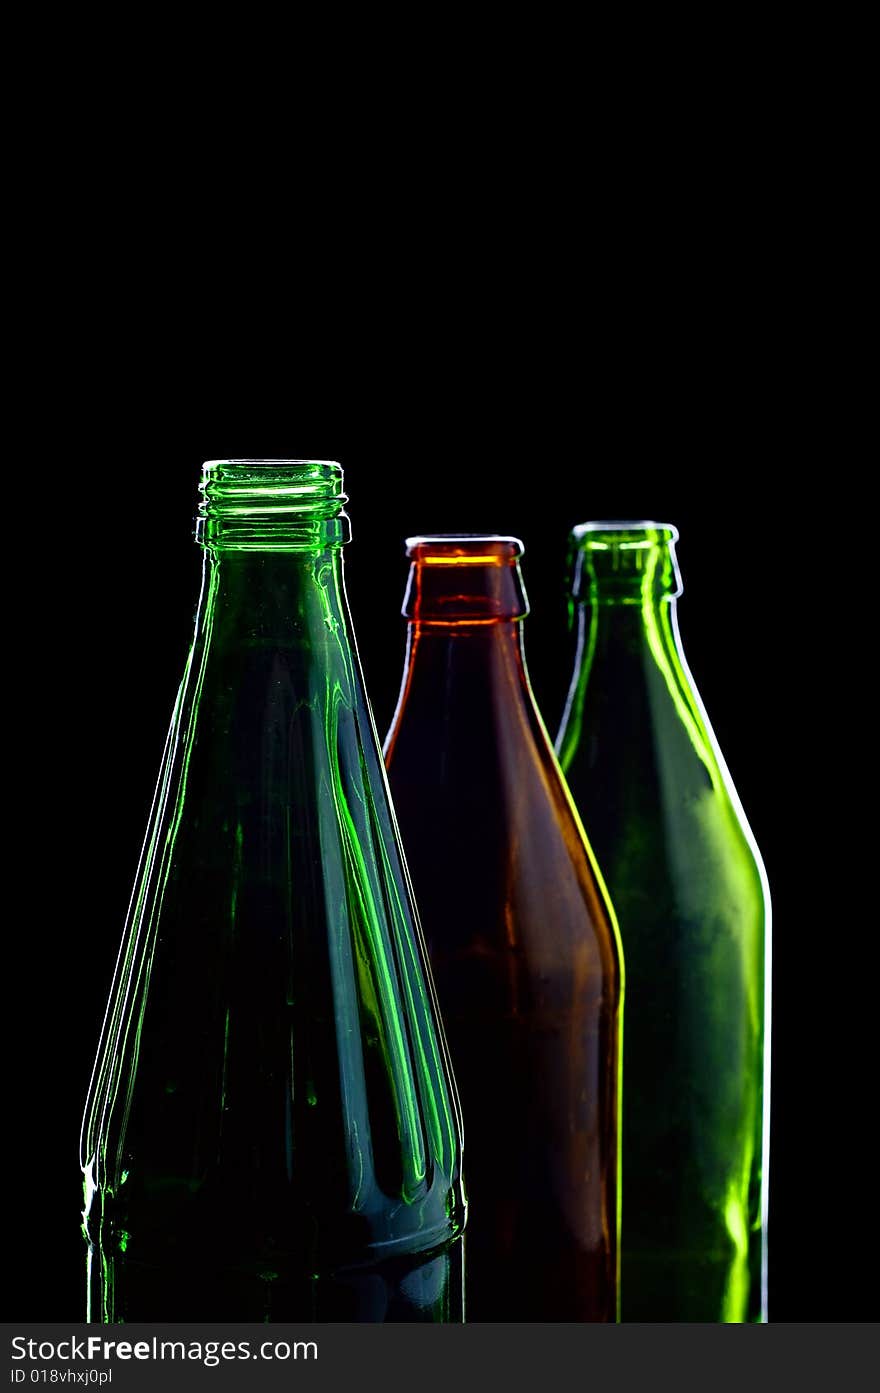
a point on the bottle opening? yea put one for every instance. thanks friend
(625, 561)
(272, 504)
(464, 549)
(626, 535)
(464, 578)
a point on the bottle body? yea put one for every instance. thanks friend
(693, 906)
(525, 960)
(272, 1130)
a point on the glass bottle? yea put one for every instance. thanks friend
(521, 937)
(693, 905)
(272, 1130)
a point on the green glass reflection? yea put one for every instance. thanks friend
(693, 906)
(272, 1129)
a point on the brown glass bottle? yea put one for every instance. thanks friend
(523, 942)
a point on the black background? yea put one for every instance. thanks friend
(507, 388)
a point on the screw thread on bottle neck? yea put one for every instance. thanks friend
(272, 505)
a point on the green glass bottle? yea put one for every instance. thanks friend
(693, 906)
(272, 1130)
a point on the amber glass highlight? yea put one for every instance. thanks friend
(522, 941)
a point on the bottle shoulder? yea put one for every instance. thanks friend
(492, 838)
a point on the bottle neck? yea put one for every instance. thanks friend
(282, 599)
(629, 629)
(468, 677)
(478, 651)
(625, 585)
(465, 667)
(626, 648)
(625, 564)
(263, 505)
(630, 664)
(463, 581)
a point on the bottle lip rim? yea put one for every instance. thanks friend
(227, 479)
(644, 532)
(464, 548)
(269, 463)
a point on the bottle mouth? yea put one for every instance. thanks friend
(624, 561)
(464, 579)
(244, 487)
(271, 504)
(463, 549)
(600, 536)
